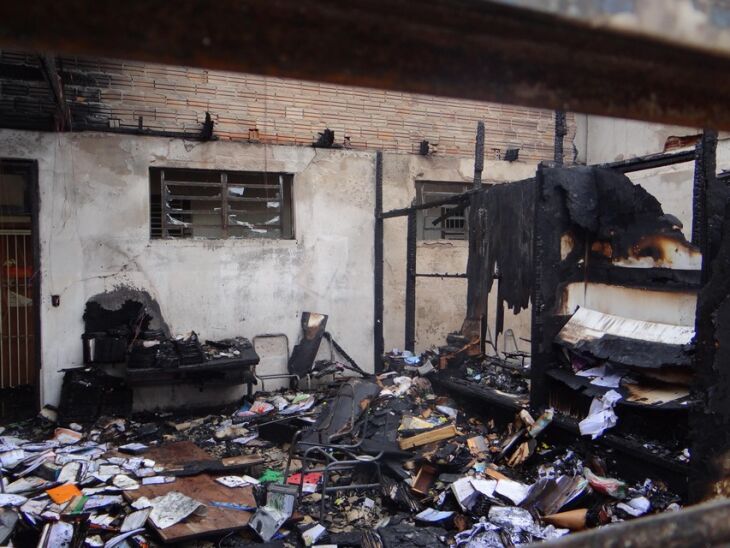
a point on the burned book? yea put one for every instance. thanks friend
(626, 341)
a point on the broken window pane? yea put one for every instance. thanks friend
(191, 203)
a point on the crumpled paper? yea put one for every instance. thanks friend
(600, 415)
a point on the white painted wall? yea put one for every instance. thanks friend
(94, 233)
(601, 140)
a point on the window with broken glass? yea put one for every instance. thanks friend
(446, 222)
(196, 203)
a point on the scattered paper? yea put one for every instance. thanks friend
(12, 500)
(311, 535)
(484, 486)
(233, 481)
(635, 507)
(243, 440)
(156, 480)
(299, 406)
(267, 521)
(135, 520)
(466, 495)
(24, 484)
(431, 515)
(141, 502)
(111, 543)
(125, 483)
(448, 411)
(513, 518)
(57, 535)
(12, 458)
(102, 501)
(102, 520)
(70, 472)
(94, 541)
(65, 436)
(600, 415)
(172, 508)
(35, 506)
(513, 490)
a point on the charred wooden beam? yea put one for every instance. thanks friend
(410, 312)
(472, 49)
(710, 425)
(650, 161)
(479, 156)
(561, 130)
(378, 299)
(477, 292)
(63, 112)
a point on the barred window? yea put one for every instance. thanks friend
(197, 203)
(446, 222)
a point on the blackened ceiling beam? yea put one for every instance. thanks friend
(473, 49)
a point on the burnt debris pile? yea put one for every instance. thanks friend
(387, 460)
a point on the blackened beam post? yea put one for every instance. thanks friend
(476, 297)
(410, 321)
(538, 352)
(704, 179)
(50, 72)
(561, 130)
(378, 340)
(479, 156)
(470, 49)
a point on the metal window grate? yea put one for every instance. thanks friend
(440, 223)
(214, 204)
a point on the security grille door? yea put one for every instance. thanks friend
(17, 356)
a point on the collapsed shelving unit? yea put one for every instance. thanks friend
(605, 248)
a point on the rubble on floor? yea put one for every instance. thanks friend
(404, 467)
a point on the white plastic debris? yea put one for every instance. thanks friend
(635, 507)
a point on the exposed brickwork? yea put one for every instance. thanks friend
(283, 111)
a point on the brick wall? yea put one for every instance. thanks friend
(283, 111)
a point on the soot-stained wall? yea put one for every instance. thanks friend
(94, 233)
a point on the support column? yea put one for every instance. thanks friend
(378, 341)
(410, 327)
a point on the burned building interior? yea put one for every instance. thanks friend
(448, 321)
